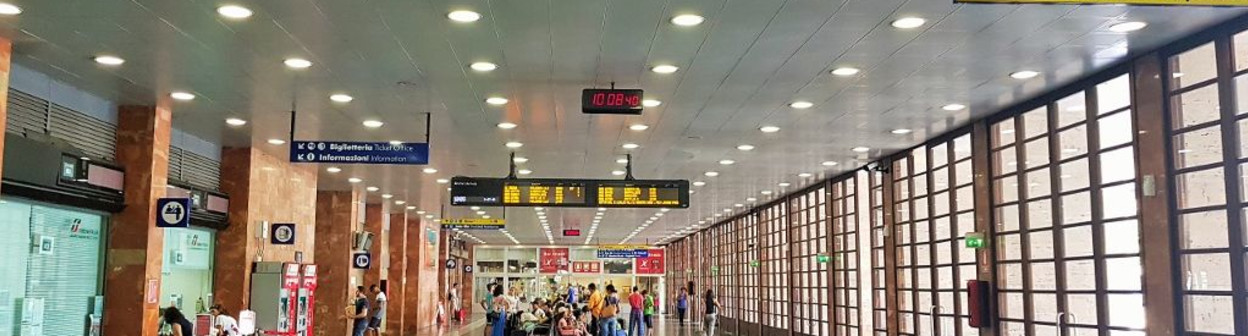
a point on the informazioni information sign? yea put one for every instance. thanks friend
(1118, 2)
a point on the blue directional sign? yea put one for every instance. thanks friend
(622, 254)
(349, 152)
(173, 212)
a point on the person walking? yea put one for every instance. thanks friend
(636, 303)
(379, 309)
(712, 307)
(358, 312)
(456, 303)
(682, 305)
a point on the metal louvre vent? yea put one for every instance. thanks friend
(194, 169)
(29, 114)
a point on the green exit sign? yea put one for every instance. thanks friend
(975, 240)
(754, 263)
(823, 258)
(714, 270)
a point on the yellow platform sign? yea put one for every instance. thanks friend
(1118, 2)
(474, 221)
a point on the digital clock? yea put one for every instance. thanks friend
(611, 101)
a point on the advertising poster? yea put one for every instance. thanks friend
(553, 260)
(586, 267)
(652, 264)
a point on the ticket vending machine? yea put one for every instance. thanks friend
(307, 300)
(274, 297)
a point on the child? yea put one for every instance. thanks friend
(619, 332)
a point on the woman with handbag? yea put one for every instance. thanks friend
(501, 307)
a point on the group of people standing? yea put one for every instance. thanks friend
(180, 325)
(599, 315)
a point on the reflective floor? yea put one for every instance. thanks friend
(665, 327)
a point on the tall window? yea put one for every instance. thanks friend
(1208, 115)
(722, 269)
(845, 257)
(878, 292)
(748, 263)
(775, 265)
(810, 274)
(1065, 215)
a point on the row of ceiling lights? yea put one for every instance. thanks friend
(902, 23)
(645, 225)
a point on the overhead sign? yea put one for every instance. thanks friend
(651, 264)
(450, 264)
(173, 212)
(621, 251)
(611, 101)
(553, 260)
(586, 267)
(570, 192)
(473, 223)
(351, 152)
(361, 260)
(282, 234)
(1118, 2)
(571, 232)
(468, 268)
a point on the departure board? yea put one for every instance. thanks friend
(539, 193)
(641, 194)
(570, 192)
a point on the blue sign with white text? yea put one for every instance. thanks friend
(173, 212)
(622, 254)
(349, 152)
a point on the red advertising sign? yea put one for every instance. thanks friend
(587, 267)
(652, 264)
(553, 260)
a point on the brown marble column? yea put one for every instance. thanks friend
(336, 213)
(132, 285)
(396, 275)
(411, 285)
(374, 216)
(6, 54)
(262, 188)
(427, 274)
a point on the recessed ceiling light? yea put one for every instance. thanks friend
(496, 100)
(639, 127)
(765, 192)
(1024, 74)
(430, 170)
(109, 60)
(395, 142)
(520, 159)
(182, 95)
(804, 175)
(909, 22)
(745, 147)
(621, 160)
(443, 181)
(784, 184)
(525, 172)
(411, 207)
(845, 71)
(9, 9)
(372, 188)
(902, 131)
(387, 196)
(341, 98)
(953, 107)
(373, 123)
(277, 142)
(726, 162)
(235, 121)
(463, 16)
(630, 146)
(751, 199)
(769, 129)
(506, 125)
(861, 149)
(801, 104)
(514, 144)
(1129, 26)
(355, 180)
(429, 216)
(711, 173)
(664, 69)
(687, 20)
(297, 63)
(333, 169)
(234, 11)
(698, 183)
(400, 202)
(651, 103)
(483, 66)
(829, 163)
(480, 212)
(739, 205)
(617, 172)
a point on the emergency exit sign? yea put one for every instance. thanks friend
(975, 240)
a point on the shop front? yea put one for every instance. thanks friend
(547, 272)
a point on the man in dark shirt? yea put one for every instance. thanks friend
(359, 318)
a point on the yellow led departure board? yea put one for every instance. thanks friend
(484, 191)
(624, 194)
(539, 193)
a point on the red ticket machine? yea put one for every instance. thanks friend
(307, 300)
(288, 297)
